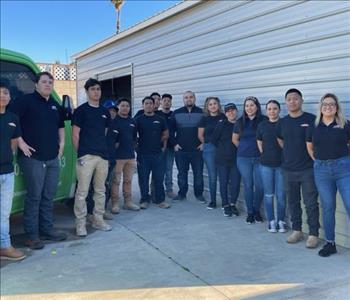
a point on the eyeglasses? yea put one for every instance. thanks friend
(329, 105)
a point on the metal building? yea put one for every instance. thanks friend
(230, 49)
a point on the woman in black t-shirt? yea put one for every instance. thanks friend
(328, 144)
(212, 116)
(270, 167)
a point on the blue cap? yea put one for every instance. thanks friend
(109, 104)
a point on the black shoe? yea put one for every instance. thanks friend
(211, 205)
(179, 198)
(54, 236)
(328, 250)
(34, 244)
(201, 199)
(234, 210)
(228, 212)
(250, 219)
(258, 218)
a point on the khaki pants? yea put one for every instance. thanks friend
(89, 166)
(127, 168)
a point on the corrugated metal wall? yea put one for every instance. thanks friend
(232, 49)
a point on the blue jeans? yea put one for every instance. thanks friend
(169, 162)
(147, 163)
(209, 151)
(230, 180)
(6, 195)
(330, 176)
(253, 189)
(183, 161)
(272, 180)
(41, 178)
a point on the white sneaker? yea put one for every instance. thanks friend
(272, 226)
(282, 226)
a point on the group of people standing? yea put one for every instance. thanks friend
(276, 159)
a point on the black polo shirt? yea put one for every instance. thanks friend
(93, 122)
(272, 152)
(293, 133)
(9, 129)
(209, 123)
(329, 142)
(150, 129)
(127, 137)
(40, 120)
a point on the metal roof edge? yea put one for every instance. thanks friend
(186, 4)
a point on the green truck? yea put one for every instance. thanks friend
(20, 71)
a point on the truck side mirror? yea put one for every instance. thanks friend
(67, 106)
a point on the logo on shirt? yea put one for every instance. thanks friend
(156, 122)
(12, 124)
(53, 107)
(104, 116)
(116, 131)
(304, 125)
(132, 125)
(336, 126)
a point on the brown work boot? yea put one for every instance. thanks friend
(108, 216)
(115, 207)
(11, 253)
(80, 227)
(311, 242)
(164, 205)
(131, 206)
(295, 237)
(144, 205)
(34, 244)
(100, 224)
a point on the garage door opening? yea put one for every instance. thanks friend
(115, 88)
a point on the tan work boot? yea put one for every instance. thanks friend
(131, 206)
(11, 253)
(295, 237)
(115, 207)
(144, 205)
(100, 224)
(311, 242)
(80, 227)
(164, 205)
(108, 216)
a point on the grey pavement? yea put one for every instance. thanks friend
(185, 252)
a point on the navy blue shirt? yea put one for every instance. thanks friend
(150, 130)
(209, 123)
(272, 152)
(184, 125)
(226, 151)
(40, 121)
(329, 142)
(293, 133)
(93, 122)
(247, 146)
(9, 129)
(167, 118)
(126, 128)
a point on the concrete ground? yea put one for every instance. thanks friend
(185, 252)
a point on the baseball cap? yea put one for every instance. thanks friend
(229, 106)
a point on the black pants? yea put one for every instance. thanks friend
(304, 180)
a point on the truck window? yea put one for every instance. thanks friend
(20, 77)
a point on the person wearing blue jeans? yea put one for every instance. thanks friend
(212, 116)
(270, 168)
(10, 135)
(153, 134)
(248, 157)
(226, 161)
(328, 144)
(188, 149)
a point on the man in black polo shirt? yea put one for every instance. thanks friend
(90, 124)
(42, 124)
(152, 139)
(125, 157)
(298, 168)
